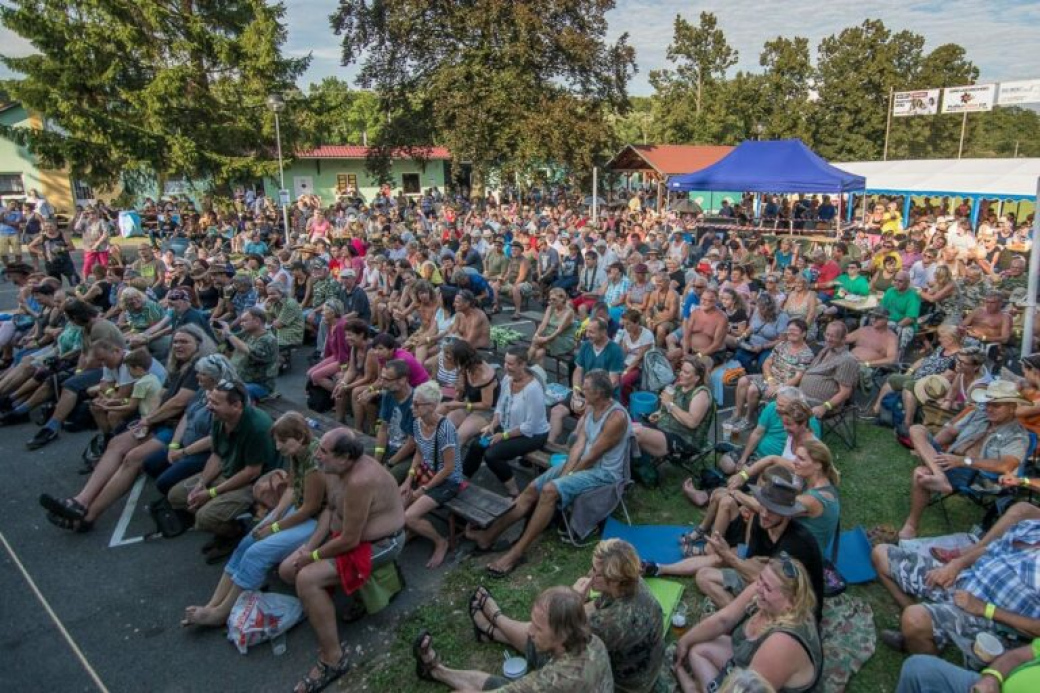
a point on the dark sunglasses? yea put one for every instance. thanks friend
(787, 565)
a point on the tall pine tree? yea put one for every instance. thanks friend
(175, 87)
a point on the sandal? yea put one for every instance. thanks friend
(697, 536)
(421, 645)
(327, 673)
(77, 526)
(69, 508)
(476, 605)
(501, 574)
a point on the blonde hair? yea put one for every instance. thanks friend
(819, 453)
(619, 564)
(799, 412)
(798, 590)
(745, 681)
(949, 331)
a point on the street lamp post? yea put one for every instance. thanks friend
(277, 104)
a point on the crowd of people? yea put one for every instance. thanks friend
(171, 352)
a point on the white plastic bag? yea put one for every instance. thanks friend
(260, 616)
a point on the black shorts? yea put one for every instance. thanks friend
(676, 443)
(444, 492)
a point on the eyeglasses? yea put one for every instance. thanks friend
(787, 565)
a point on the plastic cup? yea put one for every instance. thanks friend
(514, 668)
(987, 647)
(678, 624)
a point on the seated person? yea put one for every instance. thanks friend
(829, 380)
(361, 529)
(990, 440)
(597, 352)
(597, 458)
(475, 392)
(519, 425)
(471, 323)
(721, 574)
(903, 304)
(682, 423)
(771, 433)
(784, 367)
(436, 475)
(989, 323)
(874, 344)
(764, 331)
(986, 589)
(1015, 671)
(366, 399)
(942, 361)
(242, 451)
(255, 354)
(769, 629)
(577, 659)
(286, 316)
(625, 616)
(285, 528)
(704, 332)
(395, 446)
(555, 335)
(477, 285)
(112, 411)
(663, 308)
(634, 340)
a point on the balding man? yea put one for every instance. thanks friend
(903, 304)
(361, 529)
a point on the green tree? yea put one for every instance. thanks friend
(167, 87)
(701, 55)
(500, 83)
(787, 110)
(1006, 131)
(333, 113)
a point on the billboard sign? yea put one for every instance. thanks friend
(970, 99)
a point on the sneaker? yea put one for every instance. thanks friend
(649, 568)
(11, 418)
(43, 436)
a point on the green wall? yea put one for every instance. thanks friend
(323, 175)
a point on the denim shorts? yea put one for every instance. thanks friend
(574, 484)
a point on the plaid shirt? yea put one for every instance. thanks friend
(1006, 575)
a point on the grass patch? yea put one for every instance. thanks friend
(875, 490)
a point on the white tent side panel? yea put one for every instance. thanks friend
(993, 178)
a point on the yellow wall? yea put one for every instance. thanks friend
(55, 185)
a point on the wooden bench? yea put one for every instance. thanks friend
(476, 506)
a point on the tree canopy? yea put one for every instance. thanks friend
(171, 87)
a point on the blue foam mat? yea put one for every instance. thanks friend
(657, 543)
(854, 557)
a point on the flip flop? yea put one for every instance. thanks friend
(77, 526)
(497, 574)
(423, 669)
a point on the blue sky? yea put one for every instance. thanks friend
(999, 35)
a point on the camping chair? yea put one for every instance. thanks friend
(692, 459)
(842, 423)
(983, 489)
(592, 508)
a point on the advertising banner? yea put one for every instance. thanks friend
(1024, 91)
(913, 103)
(971, 99)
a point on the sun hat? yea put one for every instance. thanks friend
(931, 388)
(999, 392)
(347, 272)
(778, 493)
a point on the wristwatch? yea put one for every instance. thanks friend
(968, 461)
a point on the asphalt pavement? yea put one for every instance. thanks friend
(119, 598)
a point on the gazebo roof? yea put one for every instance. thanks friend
(667, 159)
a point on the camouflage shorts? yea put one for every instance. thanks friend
(950, 623)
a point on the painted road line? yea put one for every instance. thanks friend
(54, 617)
(118, 535)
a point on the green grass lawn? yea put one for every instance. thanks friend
(875, 490)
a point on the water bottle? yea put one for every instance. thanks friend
(313, 423)
(278, 645)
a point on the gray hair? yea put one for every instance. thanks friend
(217, 367)
(790, 393)
(599, 380)
(429, 392)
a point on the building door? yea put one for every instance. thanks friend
(303, 185)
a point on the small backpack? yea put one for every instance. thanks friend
(892, 413)
(657, 373)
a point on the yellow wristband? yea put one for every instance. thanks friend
(995, 674)
(469, 406)
(411, 472)
(174, 446)
(991, 609)
(110, 390)
(828, 406)
(212, 492)
(275, 528)
(1024, 481)
(380, 451)
(744, 475)
(577, 389)
(315, 556)
(505, 435)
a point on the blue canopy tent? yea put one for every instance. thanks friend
(781, 166)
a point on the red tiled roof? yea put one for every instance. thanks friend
(668, 159)
(350, 151)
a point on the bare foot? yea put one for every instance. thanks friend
(503, 566)
(203, 616)
(439, 552)
(695, 496)
(478, 537)
(908, 532)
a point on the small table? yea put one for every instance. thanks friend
(868, 303)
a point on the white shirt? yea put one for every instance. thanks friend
(646, 338)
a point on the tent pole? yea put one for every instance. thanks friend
(595, 192)
(964, 126)
(1034, 279)
(888, 124)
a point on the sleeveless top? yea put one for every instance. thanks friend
(446, 377)
(565, 342)
(613, 460)
(472, 393)
(744, 650)
(824, 526)
(695, 437)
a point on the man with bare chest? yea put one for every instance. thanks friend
(704, 334)
(471, 323)
(361, 529)
(989, 323)
(874, 344)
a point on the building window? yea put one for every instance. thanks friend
(410, 183)
(344, 180)
(11, 184)
(82, 191)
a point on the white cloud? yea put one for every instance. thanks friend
(999, 35)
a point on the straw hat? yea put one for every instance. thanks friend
(999, 392)
(931, 388)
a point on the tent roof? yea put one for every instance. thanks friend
(772, 166)
(350, 151)
(667, 159)
(1003, 178)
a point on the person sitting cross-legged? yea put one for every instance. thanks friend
(625, 616)
(577, 660)
(989, 440)
(1015, 671)
(991, 587)
(597, 458)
